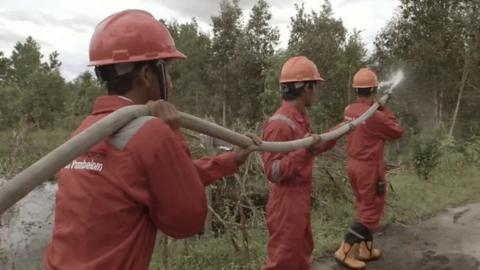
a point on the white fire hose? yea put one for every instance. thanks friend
(24, 182)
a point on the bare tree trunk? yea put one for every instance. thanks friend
(224, 111)
(186, 247)
(349, 87)
(460, 93)
(245, 240)
(197, 109)
(209, 150)
(208, 220)
(224, 103)
(440, 105)
(163, 241)
(435, 103)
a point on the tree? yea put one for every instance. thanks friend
(353, 58)
(6, 92)
(5, 68)
(226, 33)
(82, 93)
(26, 59)
(38, 87)
(271, 97)
(193, 77)
(322, 38)
(252, 57)
(435, 41)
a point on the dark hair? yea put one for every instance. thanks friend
(292, 90)
(120, 84)
(365, 92)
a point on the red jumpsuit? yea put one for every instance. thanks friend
(288, 209)
(365, 159)
(112, 200)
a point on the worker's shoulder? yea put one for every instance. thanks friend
(281, 120)
(145, 129)
(379, 116)
(356, 109)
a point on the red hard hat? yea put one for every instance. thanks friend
(299, 69)
(131, 36)
(365, 78)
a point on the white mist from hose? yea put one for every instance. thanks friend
(391, 83)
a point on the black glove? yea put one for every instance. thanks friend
(381, 187)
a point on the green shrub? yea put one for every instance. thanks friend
(426, 156)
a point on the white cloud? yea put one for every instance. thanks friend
(66, 26)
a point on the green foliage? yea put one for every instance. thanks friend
(471, 150)
(83, 91)
(254, 51)
(192, 87)
(226, 34)
(226, 74)
(323, 39)
(437, 44)
(35, 89)
(425, 156)
(271, 97)
(24, 144)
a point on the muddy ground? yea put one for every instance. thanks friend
(448, 241)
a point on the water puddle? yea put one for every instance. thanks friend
(26, 228)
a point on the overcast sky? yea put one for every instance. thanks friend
(66, 26)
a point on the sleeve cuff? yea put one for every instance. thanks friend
(228, 163)
(325, 147)
(303, 155)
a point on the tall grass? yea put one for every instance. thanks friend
(24, 145)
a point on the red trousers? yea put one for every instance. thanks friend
(369, 203)
(288, 219)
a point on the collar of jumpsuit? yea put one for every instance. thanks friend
(106, 104)
(365, 100)
(290, 110)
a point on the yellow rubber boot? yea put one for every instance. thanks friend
(345, 255)
(366, 252)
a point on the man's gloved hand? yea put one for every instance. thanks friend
(317, 141)
(165, 111)
(241, 154)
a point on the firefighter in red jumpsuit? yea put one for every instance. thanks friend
(112, 199)
(366, 170)
(290, 242)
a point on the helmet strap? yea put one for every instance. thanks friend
(162, 79)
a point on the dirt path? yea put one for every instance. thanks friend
(448, 241)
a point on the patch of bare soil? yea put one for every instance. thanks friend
(448, 241)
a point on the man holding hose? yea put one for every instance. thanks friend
(366, 170)
(290, 242)
(112, 199)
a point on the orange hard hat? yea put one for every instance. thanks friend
(299, 69)
(365, 78)
(131, 36)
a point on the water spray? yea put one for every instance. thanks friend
(388, 86)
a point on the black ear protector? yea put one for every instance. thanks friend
(291, 87)
(162, 79)
(311, 85)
